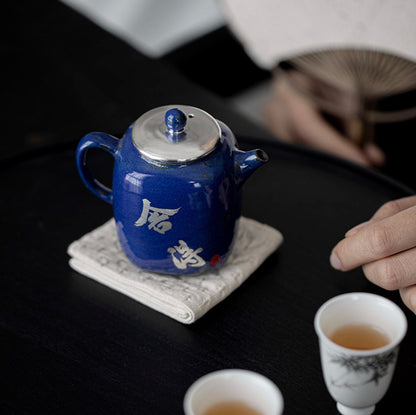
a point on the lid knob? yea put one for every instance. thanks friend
(175, 120)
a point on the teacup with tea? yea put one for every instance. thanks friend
(359, 336)
(233, 392)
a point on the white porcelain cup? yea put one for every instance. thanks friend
(358, 379)
(233, 385)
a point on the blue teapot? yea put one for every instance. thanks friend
(176, 189)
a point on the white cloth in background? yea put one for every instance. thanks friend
(154, 27)
(98, 255)
(274, 30)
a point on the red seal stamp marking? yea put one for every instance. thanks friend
(215, 260)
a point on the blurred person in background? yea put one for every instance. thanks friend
(332, 61)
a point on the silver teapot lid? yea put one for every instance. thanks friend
(175, 134)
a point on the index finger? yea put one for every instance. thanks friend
(376, 240)
(387, 209)
(394, 206)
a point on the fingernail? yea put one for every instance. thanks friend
(376, 155)
(355, 229)
(335, 262)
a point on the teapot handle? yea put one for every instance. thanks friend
(95, 140)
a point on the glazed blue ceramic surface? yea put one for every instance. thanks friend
(173, 218)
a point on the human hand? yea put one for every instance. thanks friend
(293, 117)
(385, 247)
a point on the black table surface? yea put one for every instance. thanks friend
(72, 345)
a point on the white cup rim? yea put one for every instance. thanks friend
(395, 342)
(187, 402)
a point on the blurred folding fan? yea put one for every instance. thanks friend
(359, 87)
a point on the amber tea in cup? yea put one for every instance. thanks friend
(360, 337)
(232, 408)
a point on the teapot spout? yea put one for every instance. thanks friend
(248, 162)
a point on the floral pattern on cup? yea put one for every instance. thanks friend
(375, 367)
